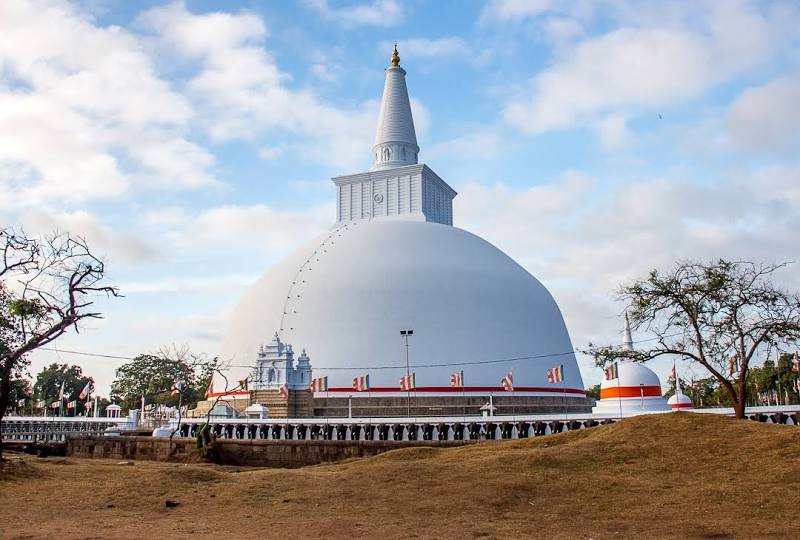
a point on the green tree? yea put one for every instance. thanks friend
(49, 380)
(153, 376)
(786, 378)
(780, 379)
(20, 389)
(720, 315)
(593, 392)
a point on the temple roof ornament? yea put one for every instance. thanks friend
(395, 139)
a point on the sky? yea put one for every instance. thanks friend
(591, 141)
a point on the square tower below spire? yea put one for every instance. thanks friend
(412, 192)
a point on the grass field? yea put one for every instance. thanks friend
(662, 476)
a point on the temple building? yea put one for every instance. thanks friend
(679, 401)
(402, 312)
(636, 389)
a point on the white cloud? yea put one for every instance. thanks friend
(514, 10)
(242, 92)
(767, 118)
(102, 239)
(375, 13)
(613, 131)
(83, 113)
(233, 229)
(648, 64)
(269, 153)
(429, 48)
(188, 283)
(474, 142)
(583, 251)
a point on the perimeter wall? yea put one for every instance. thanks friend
(254, 453)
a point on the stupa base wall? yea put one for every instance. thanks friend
(456, 405)
(299, 404)
(631, 405)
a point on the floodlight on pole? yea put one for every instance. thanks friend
(406, 334)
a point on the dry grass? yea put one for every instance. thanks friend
(665, 476)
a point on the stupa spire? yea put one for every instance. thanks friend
(627, 340)
(395, 138)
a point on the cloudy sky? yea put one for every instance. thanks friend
(591, 141)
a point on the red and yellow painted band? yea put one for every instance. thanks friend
(630, 391)
(236, 393)
(682, 406)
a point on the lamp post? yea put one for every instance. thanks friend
(641, 393)
(406, 334)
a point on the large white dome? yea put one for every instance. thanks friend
(345, 296)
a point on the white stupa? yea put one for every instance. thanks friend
(636, 389)
(679, 401)
(391, 262)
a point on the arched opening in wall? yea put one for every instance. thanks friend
(386, 154)
(403, 153)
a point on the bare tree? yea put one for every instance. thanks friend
(204, 436)
(47, 287)
(197, 362)
(720, 315)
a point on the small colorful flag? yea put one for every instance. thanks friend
(71, 404)
(407, 382)
(555, 375)
(86, 391)
(284, 392)
(41, 404)
(177, 388)
(210, 389)
(508, 382)
(796, 363)
(611, 372)
(361, 384)
(55, 404)
(61, 392)
(457, 379)
(319, 384)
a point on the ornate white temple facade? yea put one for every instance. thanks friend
(275, 367)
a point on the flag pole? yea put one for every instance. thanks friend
(619, 393)
(564, 382)
(463, 395)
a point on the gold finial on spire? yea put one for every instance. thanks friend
(395, 56)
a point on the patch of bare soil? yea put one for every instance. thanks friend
(662, 476)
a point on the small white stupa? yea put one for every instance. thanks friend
(636, 389)
(679, 401)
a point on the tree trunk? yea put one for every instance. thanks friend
(5, 389)
(739, 406)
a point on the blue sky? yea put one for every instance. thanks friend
(592, 141)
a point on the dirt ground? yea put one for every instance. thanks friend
(664, 476)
